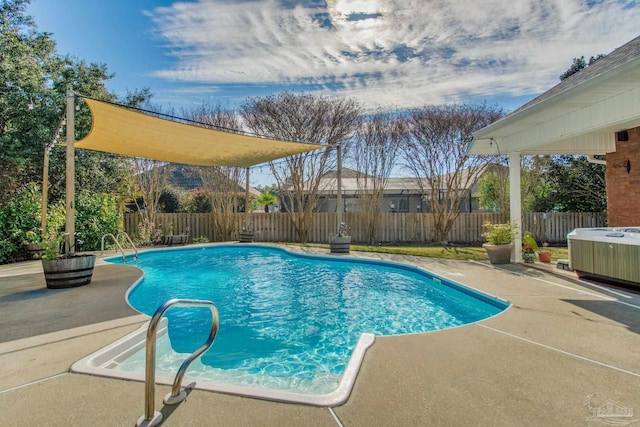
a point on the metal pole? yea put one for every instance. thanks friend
(246, 201)
(45, 194)
(339, 208)
(70, 172)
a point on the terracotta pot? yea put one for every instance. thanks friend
(544, 256)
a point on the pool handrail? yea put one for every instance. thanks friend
(115, 240)
(152, 417)
(126, 236)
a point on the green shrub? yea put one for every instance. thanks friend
(201, 239)
(20, 220)
(169, 201)
(52, 246)
(196, 201)
(147, 234)
(96, 215)
(18, 216)
(499, 234)
(56, 217)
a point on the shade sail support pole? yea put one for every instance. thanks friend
(70, 173)
(339, 207)
(45, 194)
(246, 200)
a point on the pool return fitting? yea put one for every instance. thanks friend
(152, 417)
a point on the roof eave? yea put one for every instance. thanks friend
(487, 131)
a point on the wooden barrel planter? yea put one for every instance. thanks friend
(68, 272)
(34, 250)
(246, 236)
(340, 245)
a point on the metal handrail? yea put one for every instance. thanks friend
(126, 236)
(152, 417)
(124, 256)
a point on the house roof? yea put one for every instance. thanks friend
(396, 185)
(577, 116)
(186, 177)
(329, 185)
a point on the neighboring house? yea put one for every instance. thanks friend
(400, 194)
(187, 178)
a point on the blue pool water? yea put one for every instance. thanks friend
(290, 321)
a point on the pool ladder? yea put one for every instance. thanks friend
(152, 417)
(115, 240)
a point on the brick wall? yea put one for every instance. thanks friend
(623, 189)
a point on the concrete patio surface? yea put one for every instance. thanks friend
(564, 348)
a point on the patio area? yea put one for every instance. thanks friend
(565, 353)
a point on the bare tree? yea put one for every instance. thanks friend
(436, 140)
(305, 118)
(374, 154)
(148, 178)
(221, 184)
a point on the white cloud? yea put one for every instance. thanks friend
(392, 52)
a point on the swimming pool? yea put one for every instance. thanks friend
(289, 321)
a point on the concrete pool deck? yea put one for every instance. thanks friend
(564, 348)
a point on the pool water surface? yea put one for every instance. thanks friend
(289, 321)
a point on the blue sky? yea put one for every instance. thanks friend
(389, 53)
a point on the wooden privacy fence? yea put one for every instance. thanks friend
(554, 227)
(394, 227)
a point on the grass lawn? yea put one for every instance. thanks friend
(448, 252)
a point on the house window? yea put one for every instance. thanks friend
(351, 205)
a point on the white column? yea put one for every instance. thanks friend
(515, 201)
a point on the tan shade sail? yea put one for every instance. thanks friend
(130, 133)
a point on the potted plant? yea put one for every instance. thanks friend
(65, 270)
(340, 243)
(544, 256)
(499, 242)
(246, 234)
(32, 244)
(529, 248)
